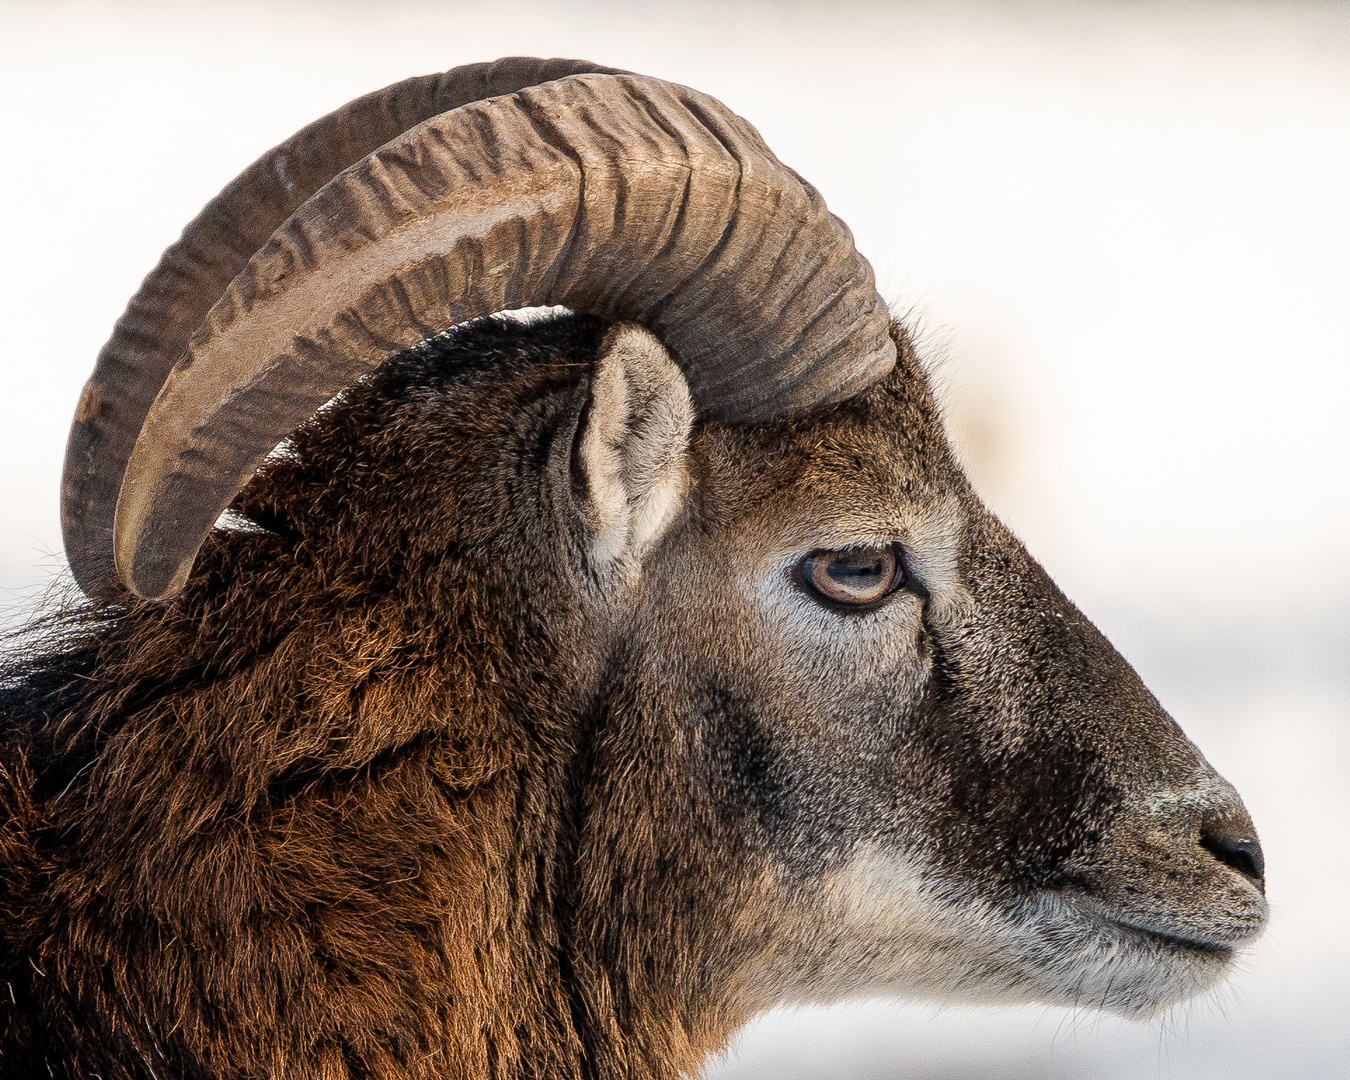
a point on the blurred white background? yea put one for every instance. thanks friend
(1124, 232)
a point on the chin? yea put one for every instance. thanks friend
(1081, 955)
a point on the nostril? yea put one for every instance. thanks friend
(1242, 853)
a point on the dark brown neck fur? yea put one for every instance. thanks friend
(323, 815)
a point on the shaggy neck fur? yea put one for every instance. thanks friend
(330, 813)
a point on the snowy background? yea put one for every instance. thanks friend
(1124, 231)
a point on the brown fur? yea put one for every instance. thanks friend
(404, 786)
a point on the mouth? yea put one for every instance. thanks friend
(1175, 934)
(1176, 943)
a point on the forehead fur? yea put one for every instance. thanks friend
(855, 461)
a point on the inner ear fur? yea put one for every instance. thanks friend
(633, 449)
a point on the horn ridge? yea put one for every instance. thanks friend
(568, 192)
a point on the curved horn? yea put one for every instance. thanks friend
(625, 197)
(175, 297)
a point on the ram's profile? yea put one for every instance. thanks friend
(567, 689)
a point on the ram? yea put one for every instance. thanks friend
(469, 695)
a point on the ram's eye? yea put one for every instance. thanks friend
(854, 577)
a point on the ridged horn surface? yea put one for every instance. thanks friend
(193, 274)
(625, 197)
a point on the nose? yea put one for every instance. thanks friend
(1235, 847)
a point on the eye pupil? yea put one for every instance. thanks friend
(854, 576)
(845, 570)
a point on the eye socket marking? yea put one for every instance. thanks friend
(854, 578)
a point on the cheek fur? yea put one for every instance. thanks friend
(831, 659)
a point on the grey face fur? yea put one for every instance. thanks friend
(962, 792)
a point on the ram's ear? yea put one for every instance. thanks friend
(632, 449)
